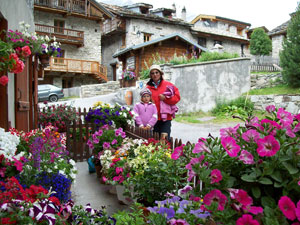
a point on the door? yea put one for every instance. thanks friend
(59, 26)
(22, 105)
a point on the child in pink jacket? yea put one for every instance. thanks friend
(145, 112)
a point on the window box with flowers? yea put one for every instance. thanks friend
(128, 78)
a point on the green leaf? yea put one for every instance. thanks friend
(248, 178)
(278, 185)
(290, 168)
(256, 191)
(265, 180)
(231, 181)
(285, 158)
(276, 176)
(268, 202)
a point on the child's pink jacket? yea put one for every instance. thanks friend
(145, 114)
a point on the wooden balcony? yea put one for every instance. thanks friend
(63, 35)
(76, 6)
(113, 26)
(78, 66)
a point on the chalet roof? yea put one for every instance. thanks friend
(263, 27)
(154, 41)
(105, 11)
(281, 29)
(140, 4)
(164, 9)
(218, 18)
(123, 12)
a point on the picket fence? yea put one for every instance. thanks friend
(78, 132)
(266, 67)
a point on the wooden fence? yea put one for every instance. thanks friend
(78, 132)
(259, 68)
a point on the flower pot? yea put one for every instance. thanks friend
(129, 83)
(44, 59)
(113, 190)
(98, 170)
(120, 194)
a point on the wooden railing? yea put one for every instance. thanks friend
(110, 25)
(63, 35)
(67, 5)
(259, 68)
(77, 66)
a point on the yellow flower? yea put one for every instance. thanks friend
(168, 154)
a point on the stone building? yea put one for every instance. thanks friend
(134, 25)
(230, 34)
(76, 25)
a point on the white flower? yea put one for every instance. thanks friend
(72, 162)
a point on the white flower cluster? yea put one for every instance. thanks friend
(8, 145)
(106, 159)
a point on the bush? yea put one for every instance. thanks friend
(57, 116)
(290, 55)
(260, 43)
(237, 107)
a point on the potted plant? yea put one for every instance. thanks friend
(129, 78)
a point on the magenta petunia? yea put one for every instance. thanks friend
(246, 157)
(267, 146)
(201, 147)
(119, 170)
(297, 210)
(285, 117)
(287, 207)
(270, 108)
(215, 176)
(177, 152)
(106, 145)
(250, 135)
(229, 131)
(230, 146)
(114, 142)
(215, 196)
(255, 210)
(247, 219)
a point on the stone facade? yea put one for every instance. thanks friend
(92, 35)
(99, 89)
(277, 45)
(290, 102)
(259, 81)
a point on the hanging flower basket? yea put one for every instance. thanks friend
(44, 59)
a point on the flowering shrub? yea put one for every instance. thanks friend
(57, 116)
(128, 75)
(243, 175)
(105, 138)
(115, 116)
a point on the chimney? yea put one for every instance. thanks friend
(183, 13)
(174, 7)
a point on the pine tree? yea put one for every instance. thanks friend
(290, 55)
(260, 43)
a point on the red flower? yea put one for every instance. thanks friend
(6, 220)
(26, 51)
(287, 207)
(54, 200)
(247, 219)
(4, 80)
(215, 196)
(215, 176)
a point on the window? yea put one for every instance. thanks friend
(202, 41)
(217, 42)
(147, 37)
(123, 41)
(59, 26)
(240, 31)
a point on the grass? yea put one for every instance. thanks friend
(265, 73)
(193, 118)
(277, 90)
(70, 97)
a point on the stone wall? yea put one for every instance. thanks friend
(259, 81)
(202, 84)
(290, 102)
(99, 89)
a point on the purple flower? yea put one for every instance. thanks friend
(106, 145)
(168, 213)
(200, 213)
(114, 142)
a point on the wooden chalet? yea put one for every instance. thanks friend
(137, 57)
(69, 67)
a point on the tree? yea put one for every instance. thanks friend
(290, 55)
(260, 43)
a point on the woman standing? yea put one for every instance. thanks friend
(165, 95)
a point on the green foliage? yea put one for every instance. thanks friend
(290, 55)
(281, 89)
(133, 217)
(237, 107)
(260, 43)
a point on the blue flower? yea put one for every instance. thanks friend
(168, 213)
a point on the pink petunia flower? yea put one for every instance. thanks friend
(215, 196)
(114, 142)
(243, 198)
(267, 146)
(255, 210)
(104, 179)
(273, 126)
(177, 152)
(246, 157)
(106, 145)
(216, 176)
(194, 161)
(285, 117)
(18, 164)
(250, 135)
(177, 222)
(201, 147)
(191, 175)
(119, 170)
(297, 127)
(287, 207)
(247, 219)
(270, 108)
(229, 131)
(230, 146)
